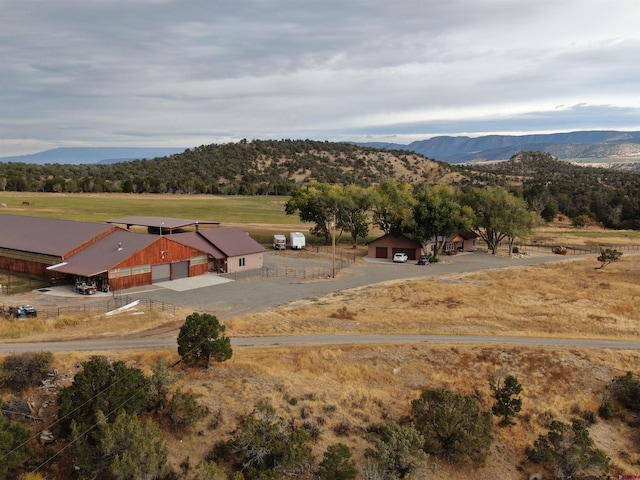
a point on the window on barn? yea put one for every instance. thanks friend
(241, 262)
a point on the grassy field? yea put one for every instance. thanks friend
(102, 207)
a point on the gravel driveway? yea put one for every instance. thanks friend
(257, 294)
(235, 298)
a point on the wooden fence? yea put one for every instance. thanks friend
(579, 250)
(343, 260)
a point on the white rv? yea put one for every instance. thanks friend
(279, 242)
(297, 240)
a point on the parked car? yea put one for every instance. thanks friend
(400, 257)
(424, 260)
(29, 311)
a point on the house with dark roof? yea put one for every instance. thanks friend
(113, 258)
(388, 245)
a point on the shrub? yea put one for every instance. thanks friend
(398, 450)
(337, 464)
(184, 411)
(14, 446)
(25, 370)
(568, 451)
(624, 390)
(453, 425)
(265, 445)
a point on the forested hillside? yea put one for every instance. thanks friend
(549, 185)
(246, 168)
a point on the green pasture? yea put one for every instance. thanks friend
(103, 207)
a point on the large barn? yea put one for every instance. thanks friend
(109, 257)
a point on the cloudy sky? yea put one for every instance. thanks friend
(182, 73)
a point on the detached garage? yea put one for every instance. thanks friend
(388, 245)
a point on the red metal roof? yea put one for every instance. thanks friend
(48, 236)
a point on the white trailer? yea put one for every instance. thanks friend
(279, 242)
(297, 240)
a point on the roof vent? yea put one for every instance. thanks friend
(119, 246)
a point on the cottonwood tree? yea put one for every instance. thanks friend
(506, 391)
(201, 339)
(498, 215)
(316, 203)
(392, 208)
(437, 214)
(568, 451)
(453, 425)
(353, 208)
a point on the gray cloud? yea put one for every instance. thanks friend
(188, 72)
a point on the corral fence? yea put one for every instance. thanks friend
(92, 309)
(342, 260)
(578, 250)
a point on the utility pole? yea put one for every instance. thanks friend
(333, 246)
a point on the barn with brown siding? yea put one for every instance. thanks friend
(112, 258)
(124, 259)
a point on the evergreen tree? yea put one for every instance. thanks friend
(201, 338)
(507, 404)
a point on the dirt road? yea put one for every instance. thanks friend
(114, 344)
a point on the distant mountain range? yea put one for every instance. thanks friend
(584, 144)
(80, 155)
(460, 149)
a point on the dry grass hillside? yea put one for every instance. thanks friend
(344, 391)
(407, 167)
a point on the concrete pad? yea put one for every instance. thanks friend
(192, 283)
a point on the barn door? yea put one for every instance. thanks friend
(180, 270)
(161, 273)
